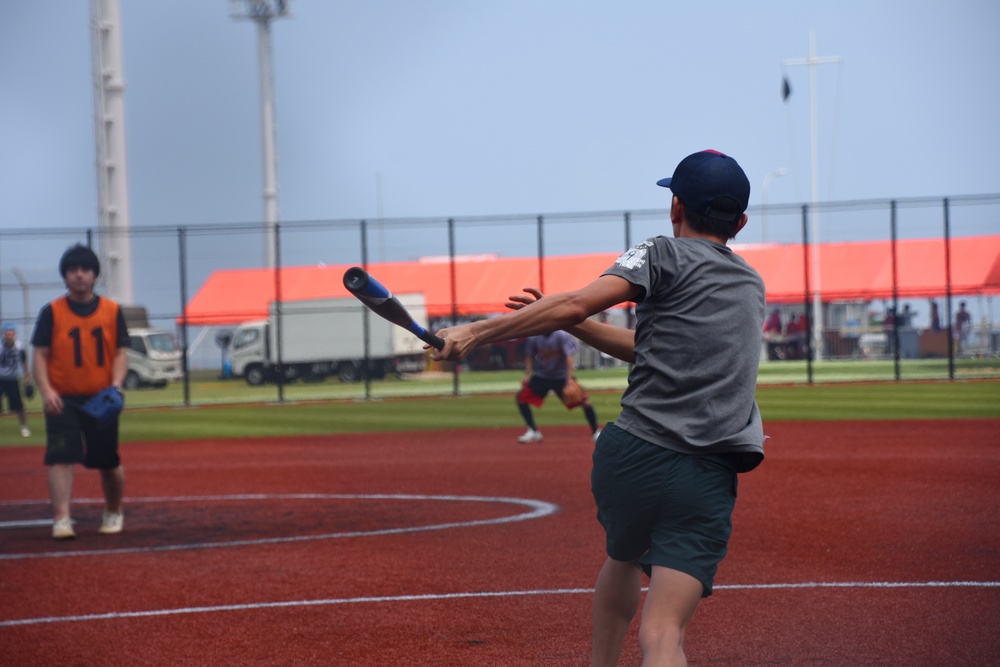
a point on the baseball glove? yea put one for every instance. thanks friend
(29, 390)
(572, 394)
(105, 406)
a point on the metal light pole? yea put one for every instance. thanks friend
(109, 127)
(262, 12)
(780, 171)
(811, 62)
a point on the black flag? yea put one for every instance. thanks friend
(786, 89)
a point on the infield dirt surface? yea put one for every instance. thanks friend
(855, 543)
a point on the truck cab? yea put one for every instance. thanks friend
(154, 359)
(248, 354)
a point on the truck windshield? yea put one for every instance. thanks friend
(162, 342)
(245, 337)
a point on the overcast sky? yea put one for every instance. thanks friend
(467, 107)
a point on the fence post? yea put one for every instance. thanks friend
(628, 230)
(541, 254)
(26, 336)
(365, 314)
(455, 389)
(895, 290)
(947, 287)
(182, 262)
(277, 311)
(807, 296)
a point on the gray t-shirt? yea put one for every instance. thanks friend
(699, 322)
(549, 352)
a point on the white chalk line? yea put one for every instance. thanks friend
(536, 509)
(460, 596)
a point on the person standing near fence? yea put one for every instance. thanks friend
(14, 364)
(665, 473)
(549, 362)
(963, 322)
(79, 349)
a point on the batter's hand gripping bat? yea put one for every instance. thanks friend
(381, 301)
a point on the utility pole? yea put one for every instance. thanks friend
(811, 62)
(262, 12)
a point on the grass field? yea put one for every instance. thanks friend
(487, 402)
(206, 388)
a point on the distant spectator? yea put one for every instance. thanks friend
(773, 323)
(889, 328)
(889, 321)
(795, 331)
(906, 317)
(963, 322)
(935, 316)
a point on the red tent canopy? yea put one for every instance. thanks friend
(863, 270)
(848, 271)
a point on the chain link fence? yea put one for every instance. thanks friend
(896, 336)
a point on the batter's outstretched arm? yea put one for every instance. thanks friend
(557, 311)
(619, 342)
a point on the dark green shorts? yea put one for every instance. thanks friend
(74, 437)
(660, 507)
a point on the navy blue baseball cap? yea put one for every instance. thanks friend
(706, 179)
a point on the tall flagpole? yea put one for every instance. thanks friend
(811, 62)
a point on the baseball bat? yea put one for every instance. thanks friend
(381, 302)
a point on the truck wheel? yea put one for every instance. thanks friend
(132, 380)
(348, 371)
(255, 376)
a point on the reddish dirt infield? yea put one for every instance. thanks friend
(865, 543)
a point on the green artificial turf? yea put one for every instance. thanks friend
(917, 400)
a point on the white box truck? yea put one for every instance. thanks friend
(324, 337)
(153, 358)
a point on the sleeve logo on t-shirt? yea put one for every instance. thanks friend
(634, 257)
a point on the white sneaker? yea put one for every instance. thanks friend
(597, 435)
(25, 432)
(531, 435)
(112, 523)
(63, 529)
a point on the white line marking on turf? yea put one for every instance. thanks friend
(34, 523)
(460, 596)
(537, 509)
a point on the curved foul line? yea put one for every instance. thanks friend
(459, 596)
(538, 509)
